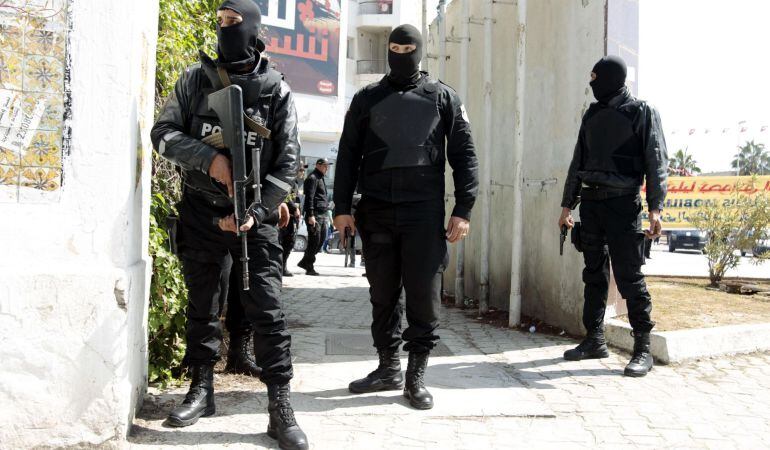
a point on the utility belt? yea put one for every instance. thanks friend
(594, 193)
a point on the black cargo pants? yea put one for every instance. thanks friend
(205, 252)
(612, 233)
(405, 248)
(316, 235)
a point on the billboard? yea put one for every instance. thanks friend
(303, 42)
(687, 194)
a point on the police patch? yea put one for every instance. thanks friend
(465, 113)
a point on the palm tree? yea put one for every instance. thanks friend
(752, 159)
(683, 164)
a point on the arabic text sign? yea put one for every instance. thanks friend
(687, 194)
(303, 41)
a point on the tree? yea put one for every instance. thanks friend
(682, 164)
(731, 226)
(752, 159)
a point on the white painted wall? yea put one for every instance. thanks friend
(564, 40)
(74, 275)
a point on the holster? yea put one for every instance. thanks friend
(575, 237)
(172, 229)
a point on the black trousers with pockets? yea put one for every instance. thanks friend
(612, 233)
(315, 239)
(406, 249)
(205, 251)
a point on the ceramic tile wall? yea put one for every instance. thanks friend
(33, 55)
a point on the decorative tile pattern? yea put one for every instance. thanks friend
(33, 55)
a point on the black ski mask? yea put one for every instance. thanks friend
(610, 78)
(239, 45)
(405, 67)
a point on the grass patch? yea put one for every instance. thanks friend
(682, 303)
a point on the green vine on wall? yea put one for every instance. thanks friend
(185, 27)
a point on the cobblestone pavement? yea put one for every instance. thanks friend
(500, 388)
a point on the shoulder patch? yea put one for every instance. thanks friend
(464, 113)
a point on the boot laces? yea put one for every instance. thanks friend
(286, 413)
(193, 394)
(245, 350)
(382, 368)
(416, 381)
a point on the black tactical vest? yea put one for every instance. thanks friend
(258, 96)
(400, 128)
(611, 144)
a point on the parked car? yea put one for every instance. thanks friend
(301, 243)
(686, 239)
(762, 247)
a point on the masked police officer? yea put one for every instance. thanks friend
(397, 137)
(620, 145)
(207, 191)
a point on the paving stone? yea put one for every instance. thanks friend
(486, 393)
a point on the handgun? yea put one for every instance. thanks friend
(562, 238)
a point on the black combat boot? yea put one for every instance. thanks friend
(641, 361)
(593, 347)
(239, 358)
(283, 426)
(199, 401)
(415, 390)
(386, 377)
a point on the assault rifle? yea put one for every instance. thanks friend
(227, 103)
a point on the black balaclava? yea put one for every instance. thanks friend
(610, 78)
(405, 67)
(238, 45)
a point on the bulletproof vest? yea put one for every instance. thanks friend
(403, 123)
(611, 145)
(258, 93)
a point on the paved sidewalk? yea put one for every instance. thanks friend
(499, 388)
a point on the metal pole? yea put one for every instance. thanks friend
(486, 166)
(441, 39)
(464, 63)
(519, 54)
(425, 20)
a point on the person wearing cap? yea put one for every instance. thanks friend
(620, 145)
(399, 133)
(183, 135)
(315, 209)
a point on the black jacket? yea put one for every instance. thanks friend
(452, 136)
(316, 197)
(605, 157)
(185, 119)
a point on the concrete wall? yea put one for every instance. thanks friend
(74, 270)
(563, 41)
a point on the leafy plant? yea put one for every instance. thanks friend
(168, 299)
(185, 27)
(682, 164)
(733, 225)
(752, 159)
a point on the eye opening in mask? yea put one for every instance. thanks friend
(402, 49)
(228, 18)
